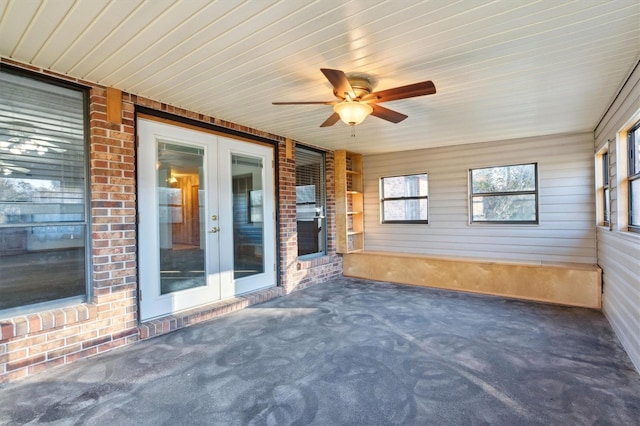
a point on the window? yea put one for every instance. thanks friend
(507, 194)
(43, 192)
(603, 189)
(634, 178)
(311, 202)
(404, 199)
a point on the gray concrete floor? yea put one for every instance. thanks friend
(352, 352)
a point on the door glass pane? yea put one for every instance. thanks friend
(248, 216)
(180, 217)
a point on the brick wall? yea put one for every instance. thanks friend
(31, 343)
(298, 274)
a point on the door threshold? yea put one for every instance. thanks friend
(202, 313)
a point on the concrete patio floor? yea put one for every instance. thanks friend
(352, 352)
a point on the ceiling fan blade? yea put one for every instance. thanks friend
(402, 92)
(306, 103)
(339, 81)
(387, 114)
(333, 119)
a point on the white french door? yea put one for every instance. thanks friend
(206, 218)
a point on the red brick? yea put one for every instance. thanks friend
(82, 354)
(6, 331)
(63, 333)
(48, 320)
(34, 369)
(82, 337)
(21, 326)
(113, 344)
(22, 363)
(63, 351)
(96, 342)
(45, 347)
(14, 375)
(25, 342)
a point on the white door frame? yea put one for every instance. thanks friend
(221, 283)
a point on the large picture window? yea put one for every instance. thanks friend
(311, 202)
(506, 194)
(404, 199)
(634, 178)
(43, 192)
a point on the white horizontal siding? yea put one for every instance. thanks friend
(566, 232)
(619, 250)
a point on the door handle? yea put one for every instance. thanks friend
(214, 230)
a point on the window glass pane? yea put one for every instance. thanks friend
(606, 205)
(504, 208)
(310, 202)
(504, 179)
(42, 191)
(42, 147)
(248, 226)
(41, 264)
(635, 202)
(405, 210)
(404, 186)
(180, 207)
(404, 198)
(636, 152)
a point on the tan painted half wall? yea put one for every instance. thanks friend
(565, 284)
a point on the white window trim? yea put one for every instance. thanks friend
(404, 222)
(622, 173)
(599, 189)
(471, 222)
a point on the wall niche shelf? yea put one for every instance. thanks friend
(349, 202)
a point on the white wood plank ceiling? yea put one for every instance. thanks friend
(503, 69)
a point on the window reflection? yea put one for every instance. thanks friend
(248, 216)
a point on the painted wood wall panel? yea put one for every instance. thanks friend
(619, 250)
(566, 232)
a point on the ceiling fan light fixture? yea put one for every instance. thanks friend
(352, 112)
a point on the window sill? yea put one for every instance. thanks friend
(629, 235)
(504, 224)
(23, 325)
(305, 263)
(621, 233)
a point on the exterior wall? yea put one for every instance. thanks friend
(619, 250)
(566, 232)
(33, 342)
(298, 274)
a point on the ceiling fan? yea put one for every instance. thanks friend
(356, 99)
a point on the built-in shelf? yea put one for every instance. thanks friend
(349, 202)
